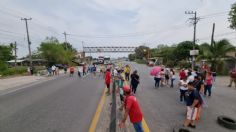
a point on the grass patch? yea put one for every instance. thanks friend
(14, 71)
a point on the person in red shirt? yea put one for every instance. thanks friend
(72, 70)
(108, 81)
(182, 74)
(132, 109)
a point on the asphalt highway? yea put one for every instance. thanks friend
(65, 104)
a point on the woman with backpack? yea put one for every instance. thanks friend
(167, 76)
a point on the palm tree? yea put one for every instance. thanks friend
(215, 52)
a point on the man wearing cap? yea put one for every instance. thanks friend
(132, 109)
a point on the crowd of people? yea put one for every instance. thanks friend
(81, 70)
(193, 86)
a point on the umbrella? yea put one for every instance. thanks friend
(155, 70)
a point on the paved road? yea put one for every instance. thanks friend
(163, 111)
(66, 104)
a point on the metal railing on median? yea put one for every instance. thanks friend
(112, 127)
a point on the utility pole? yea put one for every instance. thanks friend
(212, 35)
(195, 20)
(65, 34)
(83, 45)
(15, 48)
(29, 43)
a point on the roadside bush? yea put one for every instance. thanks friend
(3, 66)
(14, 71)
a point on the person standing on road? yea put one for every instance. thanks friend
(79, 71)
(134, 81)
(116, 76)
(182, 74)
(173, 77)
(94, 69)
(193, 100)
(84, 69)
(57, 71)
(72, 70)
(183, 88)
(121, 85)
(157, 79)
(232, 77)
(208, 84)
(162, 74)
(132, 109)
(54, 70)
(167, 76)
(108, 81)
(127, 72)
(65, 69)
(49, 71)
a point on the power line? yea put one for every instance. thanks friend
(214, 14)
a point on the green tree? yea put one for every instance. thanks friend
(167, 52)
(182, 50)
(232, 16)
(5, 53)
(131, 57)
(141, 52)
(54, 52)
(216, 52)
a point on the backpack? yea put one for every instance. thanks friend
(196, 93)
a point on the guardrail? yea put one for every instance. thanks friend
(112, 127)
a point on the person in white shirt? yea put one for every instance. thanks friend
(183, 86)
(53, 70)
(80, 71)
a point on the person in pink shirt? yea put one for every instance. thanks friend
(208, 83)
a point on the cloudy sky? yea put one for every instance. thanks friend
(112, 22)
